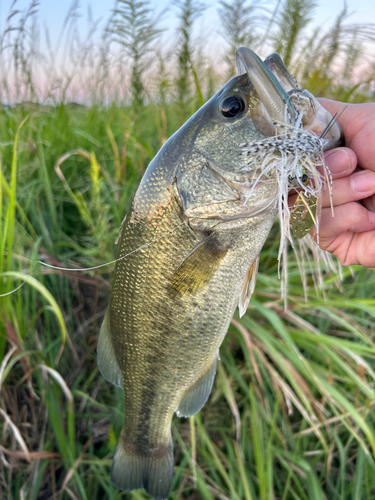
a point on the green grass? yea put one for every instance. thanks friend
(291, 415)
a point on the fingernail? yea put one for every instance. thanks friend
(338, 161)
(363, 182)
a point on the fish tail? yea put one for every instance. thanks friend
(152, 471)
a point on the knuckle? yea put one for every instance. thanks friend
(355, 215)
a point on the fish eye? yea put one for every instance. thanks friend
(232, 106)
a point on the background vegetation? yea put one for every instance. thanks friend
(291, 415)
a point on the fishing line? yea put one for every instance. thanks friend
(15, 290)
(95, 267)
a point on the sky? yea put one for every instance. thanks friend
(53, 12)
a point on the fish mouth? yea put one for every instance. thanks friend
(271, 93)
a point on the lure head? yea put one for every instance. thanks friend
(301, 177)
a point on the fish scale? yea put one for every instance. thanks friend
(188, 254)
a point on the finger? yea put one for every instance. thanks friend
(353, 187)
(351, 217)
(357, 122)
(340, 161)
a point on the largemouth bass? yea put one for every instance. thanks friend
(191, 246)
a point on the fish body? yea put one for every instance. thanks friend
(190, 248)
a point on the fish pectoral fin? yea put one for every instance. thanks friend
(248, 287)
(198, 267)
(107, 361)
(195, 397)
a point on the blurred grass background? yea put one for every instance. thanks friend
(291, 415)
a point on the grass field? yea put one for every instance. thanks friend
(291, 415)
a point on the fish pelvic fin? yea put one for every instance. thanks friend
(196, 396)
(248, 287)
(152, 471)
(107, 361)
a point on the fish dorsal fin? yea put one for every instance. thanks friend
(248, 287)
(197, 269)
(107, 361)
(195, 397)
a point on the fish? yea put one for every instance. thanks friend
(188, 254)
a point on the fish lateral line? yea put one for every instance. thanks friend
(94, 267)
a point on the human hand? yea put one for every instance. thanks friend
(350, 234)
